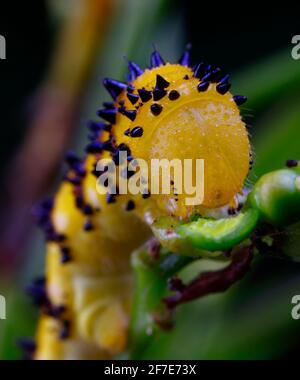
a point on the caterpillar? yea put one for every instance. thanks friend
(166, 111)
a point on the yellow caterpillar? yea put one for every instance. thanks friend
(165, 111)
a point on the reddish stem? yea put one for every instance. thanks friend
(213, 282)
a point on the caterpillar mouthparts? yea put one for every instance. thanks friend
(167, 111)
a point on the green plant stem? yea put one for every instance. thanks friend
(151, 285)
(205, 237)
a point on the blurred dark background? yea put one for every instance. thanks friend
(29, 40)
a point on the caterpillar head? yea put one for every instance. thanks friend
(173, 111)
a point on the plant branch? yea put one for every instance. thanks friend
(211, 282)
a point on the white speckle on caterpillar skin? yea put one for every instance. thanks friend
(93, 197)
(61, 221)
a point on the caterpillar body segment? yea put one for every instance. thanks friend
(50, 347)
(168, 111)
(93, 282)
(193, 125)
